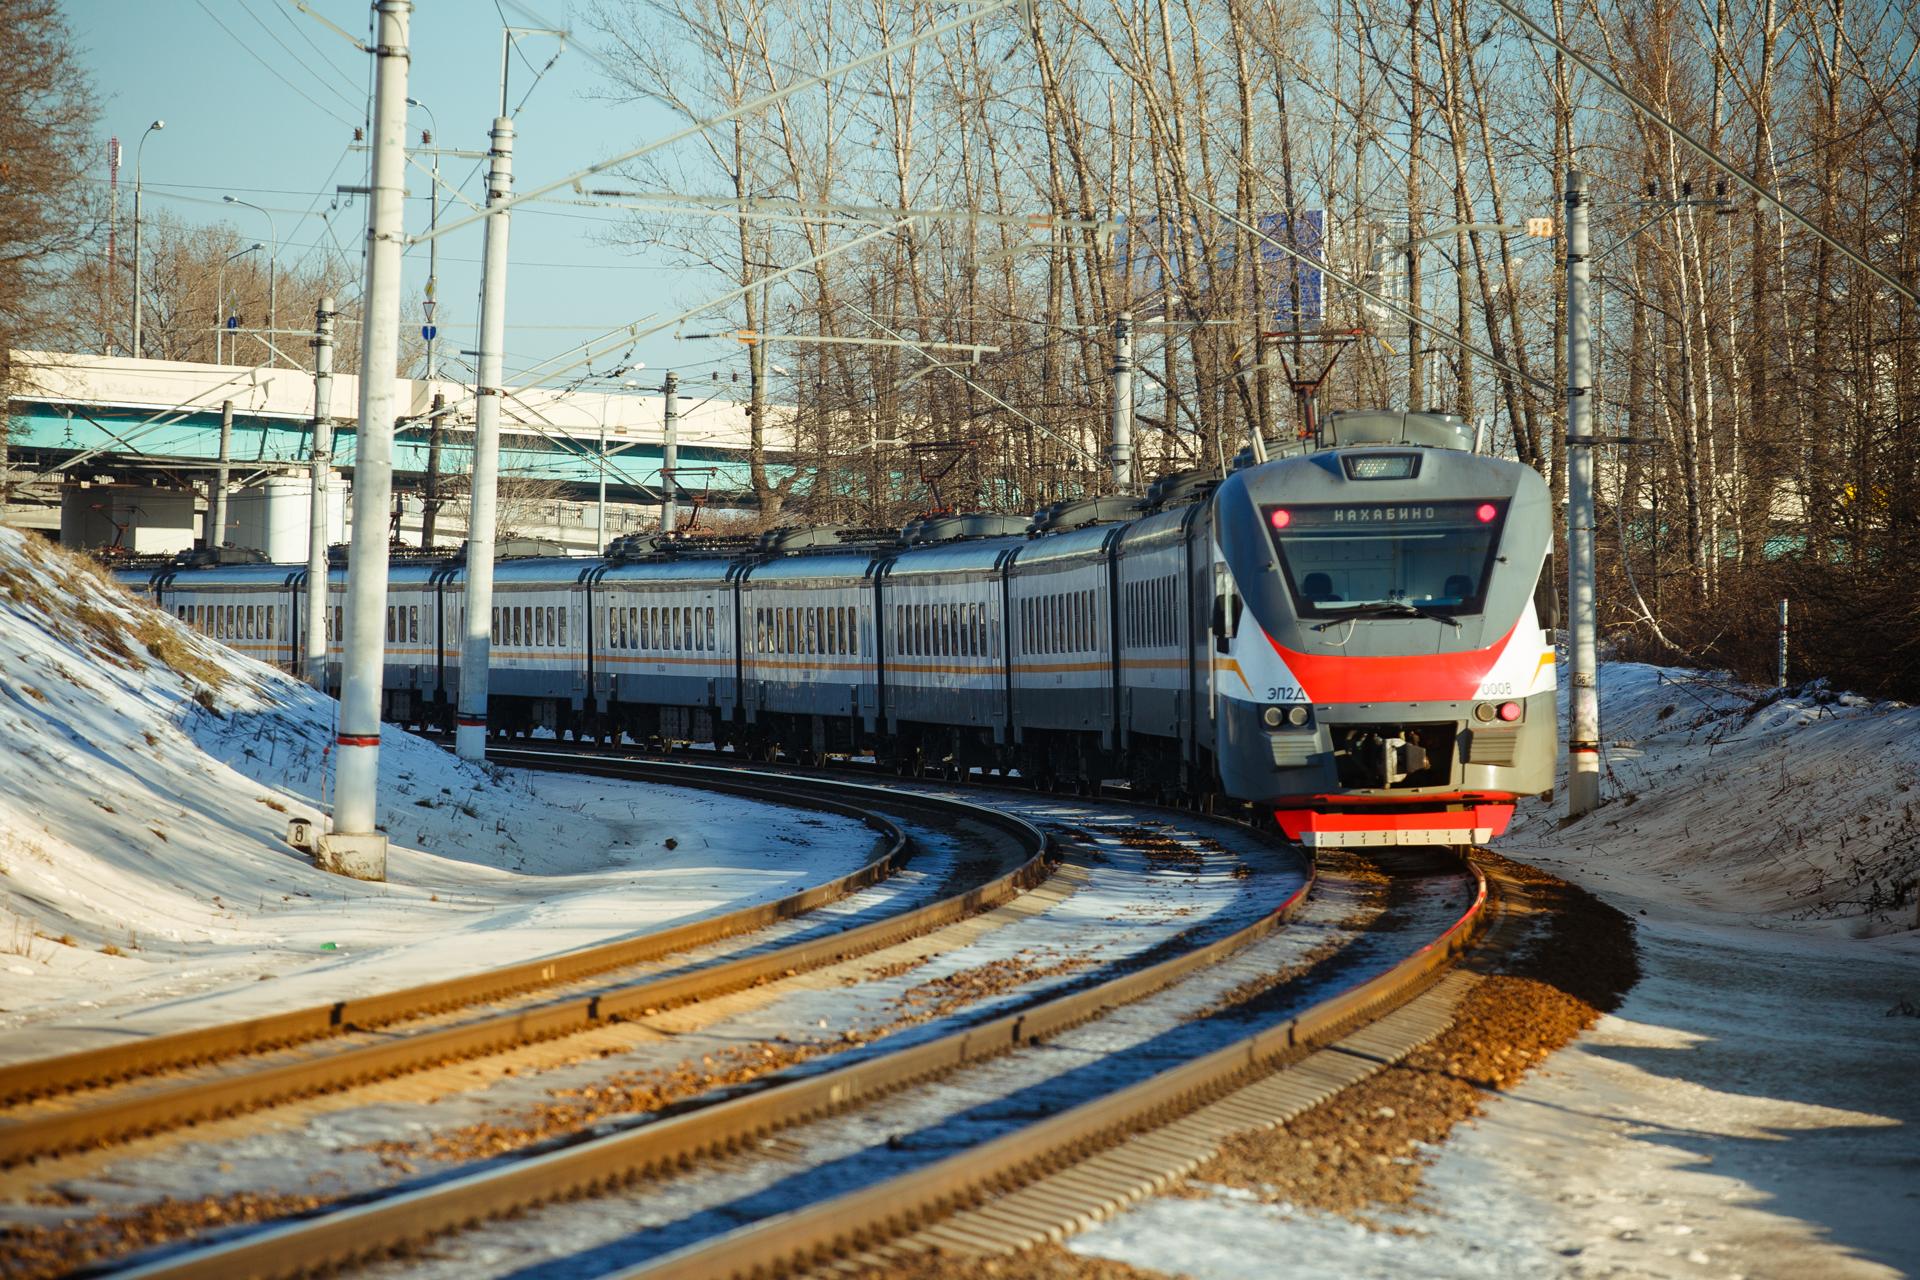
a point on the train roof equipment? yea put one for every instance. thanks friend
(1063, 517)
(1350, 427)
(1178, 487)
(953, 528)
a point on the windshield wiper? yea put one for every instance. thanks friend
(1390, 609)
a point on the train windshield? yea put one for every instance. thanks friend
(1433, 556)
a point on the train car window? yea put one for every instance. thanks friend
(496, 626)
(389, 624)
(561, 617)
(699, 630)
(413, 624)
(266, 627)
(713, 631)
(538, 631)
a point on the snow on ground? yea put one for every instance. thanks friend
(1751, 1109)
(146, 779)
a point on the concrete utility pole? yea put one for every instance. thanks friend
(317, 511)
(600, 512)
(1583, 697)
(430, 492)
(355, 847)
(139, 152)
(470, 724)
(217, 500)
(1121, 451)
(670, 454)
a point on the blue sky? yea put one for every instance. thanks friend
(260, 101)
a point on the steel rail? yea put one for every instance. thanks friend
(204, 1099)
(868, 1217)
(382, 1226)
(23, 1081)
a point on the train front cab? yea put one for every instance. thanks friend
(1381, 673)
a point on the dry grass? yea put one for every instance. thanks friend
(174, 647)
(119, 626)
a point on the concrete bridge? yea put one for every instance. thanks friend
(110, 449)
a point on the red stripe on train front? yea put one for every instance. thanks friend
(1427, 677)
(1443, 826)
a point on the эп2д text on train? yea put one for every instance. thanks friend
(1350, 637)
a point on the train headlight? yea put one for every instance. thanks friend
(1273, 717)
(1484, 712)
(1296, 716)
(1509, 711)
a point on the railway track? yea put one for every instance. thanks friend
(1035, 1182)
(95, 1097)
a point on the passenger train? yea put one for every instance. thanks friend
(1353, 637)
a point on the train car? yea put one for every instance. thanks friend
(1161, 662)
(663, 658)
(1382, 674)
(943, 599)
(537, 628)
(414, 688)
(810, 667)
(1062, 665)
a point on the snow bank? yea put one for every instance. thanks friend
(1785, 808)
(147, 776)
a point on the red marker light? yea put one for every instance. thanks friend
(1281, 518)
(1487, 512)
(1509, 711)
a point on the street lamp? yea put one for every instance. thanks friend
(138, 153)
(220, 291)
(433, 246)
(273, 268)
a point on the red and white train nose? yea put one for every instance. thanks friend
(1472, 822)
